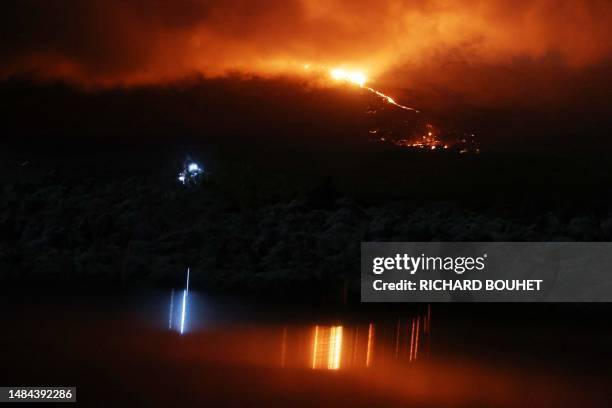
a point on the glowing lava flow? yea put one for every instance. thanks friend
(395, 133)
(358, 78)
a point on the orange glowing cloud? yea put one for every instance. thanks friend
(138, 41)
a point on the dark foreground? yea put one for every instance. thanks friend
(264, 225)
(89, 194)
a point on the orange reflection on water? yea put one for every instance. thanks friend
(333, 347)
(283, 361)
(370, 346)
(327, 347)
(414, 338)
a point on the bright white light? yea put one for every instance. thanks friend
(190, 174)
(338, 74)
(354, 77)
(183, 311)
(184, 308)
(357, 78)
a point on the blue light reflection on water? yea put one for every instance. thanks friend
(184, 307)
(187, 312)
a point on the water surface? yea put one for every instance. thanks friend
(129, 350)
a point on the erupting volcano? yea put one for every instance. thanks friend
(395, 129)
(360, 79)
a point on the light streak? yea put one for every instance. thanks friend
(171, 309)
(415, 333)
(314, 347)
(416, 342)
(335, 352)
(369, 350)
(183, 311)
(411, 341)
(327, 347)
